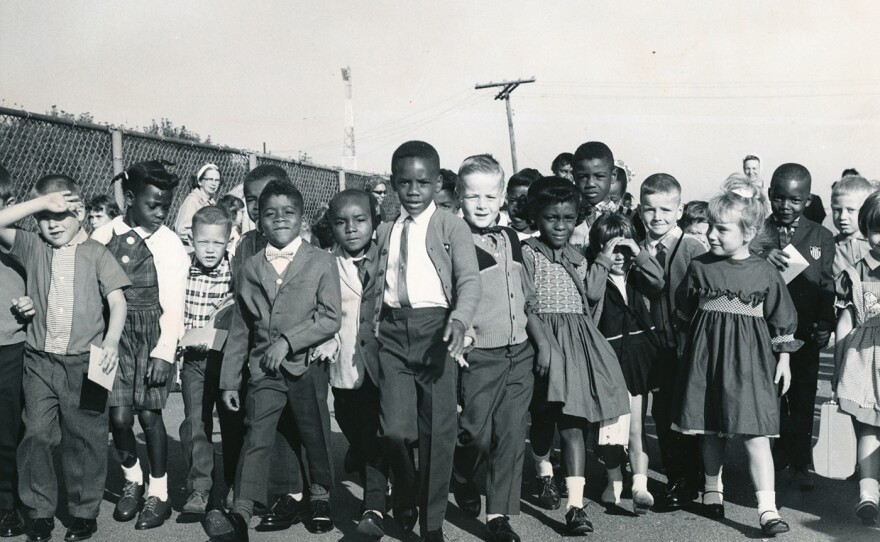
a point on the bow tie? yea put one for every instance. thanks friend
(198, 270)
(273, 253)
(484, 231)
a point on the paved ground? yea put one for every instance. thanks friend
(825, 514)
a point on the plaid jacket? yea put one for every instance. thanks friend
(206, 291)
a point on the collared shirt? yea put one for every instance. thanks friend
(872, 262)
(280, 258)
(785, 232)
(59, 310)
(206, 291)
(172, 268)
(668, 239)
(581, 234)
(847, 251)
(423, 282)
(348, 371)
(194, 201)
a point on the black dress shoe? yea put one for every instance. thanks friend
(222, 527)
(129, 503)
(501, 531)
(320, 521)
(434, 536)
(679, 494)
(407, 517)
(11, 523)
(154, 514)
(467, 497)
(371, 526)
(773, 527)
(867, 512)
(40, 529)
(713, 511)
(285, 512)
(81, 529)
(548, 493)
(577, 523)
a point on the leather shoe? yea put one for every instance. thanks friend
(11, 523)
(81, 529)
(285, 512)
(407, 517)
(773, 527)
(154, 514)
(679, 494)
(40, 529)
(222, 527)
(371, 526)
(434, 536)
(501, 531)
(548, 494)
(129, 503)
(713, 511)
(577, 523)
(467, 497)
(320, 521)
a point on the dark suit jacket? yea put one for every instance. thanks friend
(302, 307)
(813, 290)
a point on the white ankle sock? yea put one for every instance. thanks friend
(296, 496)
(869, 490)
(575, 485)
(766, 506)
(543, 466)
(640, 483)
(134, 474)
(713, 492)
(158, 488)
(613, 490)
(490, 517)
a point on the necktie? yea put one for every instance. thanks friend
(661, 256)
(402, 292)
(362, 270)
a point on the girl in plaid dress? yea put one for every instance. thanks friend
(156, 262)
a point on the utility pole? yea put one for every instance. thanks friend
(504, 94)
(349, 156)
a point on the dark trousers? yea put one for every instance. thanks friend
(200, 387)
(797, 408)
(496, 388)
(417, 395)
(11, 359)
(681, 455)
(267, 398)
(357, 413)
(62, 408)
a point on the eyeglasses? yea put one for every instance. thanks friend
(379, 192)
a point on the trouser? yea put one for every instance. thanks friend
(11, 359)
(797, 408)
(680, 453)
(417, 397)
(62, 408)
(357, 413)
(496, 388)
(267, 398)
(200, 387)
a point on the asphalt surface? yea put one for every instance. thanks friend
(824, 514)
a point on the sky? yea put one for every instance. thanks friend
(681, 87)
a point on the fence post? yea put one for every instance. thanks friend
(341, 180)
(118, 166)
(252, 161)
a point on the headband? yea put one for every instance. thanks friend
(205, 168)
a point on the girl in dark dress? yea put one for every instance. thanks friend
(623, 317)
(741, 329)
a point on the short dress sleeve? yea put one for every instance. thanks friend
(528, 278)
(781, 316)
(843, 290)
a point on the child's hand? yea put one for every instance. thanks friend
(158, 372)
(326, 351)
(631, 245)
(454, 335)
(608, 249)
(778, 258)
(545, 357)
(109, 357)
(821, 337)
(24, 307)
(275, 355)
(783, 372)
(466, 347)
(231, 400)
(198, 348)
(62, 202)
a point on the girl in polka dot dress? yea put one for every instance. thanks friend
(581, 382)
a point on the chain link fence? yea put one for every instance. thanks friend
(33, 145)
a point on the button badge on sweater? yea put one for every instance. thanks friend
(815, 252)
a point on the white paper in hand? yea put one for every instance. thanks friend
(796, 263)
(96, 374)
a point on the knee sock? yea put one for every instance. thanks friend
(575, 485)
(766, 506)
(244, 508)
(543, 466)
(640, 483)
(869, 490)
(612, 492)
(713, 492)
(158, 488)
(134, 474)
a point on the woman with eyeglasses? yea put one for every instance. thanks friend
(378, 187)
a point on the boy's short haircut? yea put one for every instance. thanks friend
(481, 163)
(751, 157)
(869, 214)
(151, 172)
(448, 180)
(561, 159)
(594, 150)
(850, 171)
(792, 171)
(55, 182)
(523, 178)
(353, 194)
(281, 188)
(267, 171)
(104, 203)
(660, 183)
(850, 185)
(212, 215)
(548, 191)
(695, 212)
(231, 203)
(5, 184)
(416, 149)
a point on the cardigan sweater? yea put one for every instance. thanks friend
(501, 317)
